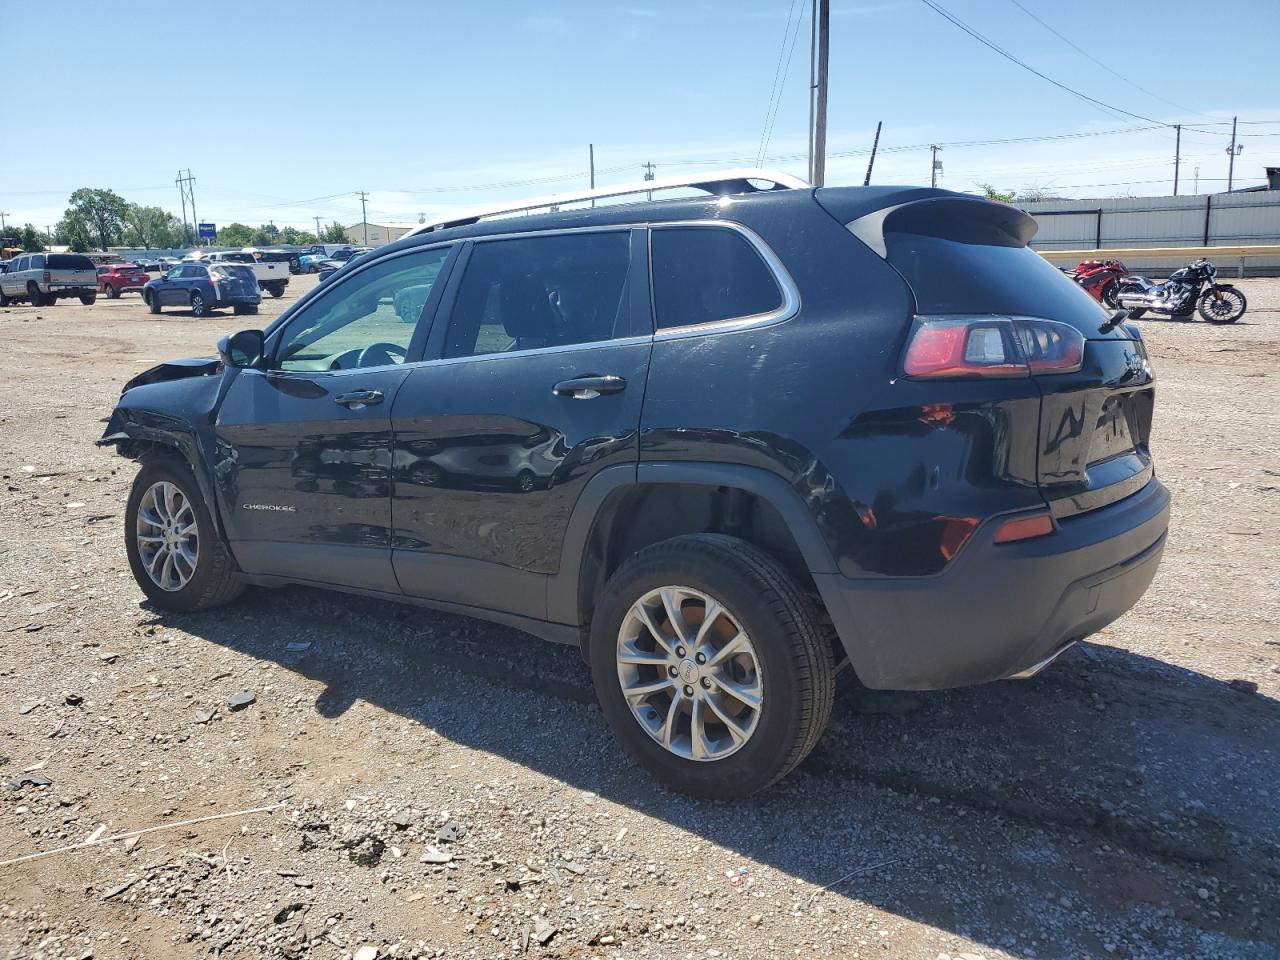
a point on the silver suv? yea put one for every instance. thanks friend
(42, 279)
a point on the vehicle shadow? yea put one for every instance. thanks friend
(1115, 799)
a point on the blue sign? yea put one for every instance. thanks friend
(208, 231)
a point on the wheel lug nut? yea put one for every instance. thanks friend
(701, 658)
(688, 691)
(706, 683)
(672, 671)
(679, 651)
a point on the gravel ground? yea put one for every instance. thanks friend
(439, 787)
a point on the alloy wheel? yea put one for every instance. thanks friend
(167, 536)
(689, 673)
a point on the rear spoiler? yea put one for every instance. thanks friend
(958, 218)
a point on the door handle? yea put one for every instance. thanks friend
(589, 387)
(358, 398)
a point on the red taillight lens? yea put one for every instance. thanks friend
(1025, 528)
(989, 346)
(47, 277)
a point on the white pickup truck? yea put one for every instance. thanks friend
(272, 277)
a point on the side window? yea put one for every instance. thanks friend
(22, 264)
(708, 274)
(37, 263)
(365, 321)
(534, 292)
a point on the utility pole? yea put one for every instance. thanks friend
(818, 154)
(1197, 187)
(2, 226)
(317, 219)
(187, 190)
(591, 163)
(364, 215)
(1177, 155)
(872, 162)
(935, 167)
(1231, 154)
(648, 175)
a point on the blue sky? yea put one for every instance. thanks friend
(284, 110)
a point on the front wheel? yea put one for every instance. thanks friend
(711, 666)
(173, 547)
(1224, 305)
(152, 300)
(1109, 290)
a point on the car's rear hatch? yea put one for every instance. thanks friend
(71, 269)
(964, 257)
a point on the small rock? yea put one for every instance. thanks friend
(241, 700)
(575, 868)
(206, 715)
(543, 930)
(120, 888)
(28, 779)
(366, 953)
(1243, 686)
(451, 832)
(434, 855)
(402, 819)
(297, 646)
(73, 699)
(1202, 893)
(28, 707)
(130, 843)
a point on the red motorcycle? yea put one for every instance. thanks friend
(1101, 278)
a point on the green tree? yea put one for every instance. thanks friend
(71, 231)
(992, 193)
(101, 214)
(334, 233)
(149, 227)
(236, 235)
(299, 238)
(32, 239)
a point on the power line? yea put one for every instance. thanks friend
(780, 74)
(943, 12)
(1074, 46)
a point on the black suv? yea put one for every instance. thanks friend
(724, 444)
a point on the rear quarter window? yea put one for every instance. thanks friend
(69, 261)
(707, 275)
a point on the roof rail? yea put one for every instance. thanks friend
(729, 181)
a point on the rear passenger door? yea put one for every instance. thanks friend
(539, 357)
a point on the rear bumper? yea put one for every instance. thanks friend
(1000, 610)
(72, 289)
(251, 300)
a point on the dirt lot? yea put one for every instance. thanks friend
(1126, 803)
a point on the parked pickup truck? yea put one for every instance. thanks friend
(42, 279)
(273, 276)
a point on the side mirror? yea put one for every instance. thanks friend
(242, 350)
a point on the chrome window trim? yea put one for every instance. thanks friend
(531, 352)
(790, 293)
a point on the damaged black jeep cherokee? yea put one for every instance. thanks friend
(724, 444)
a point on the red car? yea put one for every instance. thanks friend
(117, 278)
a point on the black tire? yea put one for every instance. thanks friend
(276, 290)
(152, 300)
(34, 296)
(89, 299)
(1109, 290)
(199, 305)
(295, 266)
(214, 582)
(112, 292)
(1235, 295)
(1137, 313)
(242, 309)
(796, 668)
(4, 299)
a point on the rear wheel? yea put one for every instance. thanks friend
(112, 292)
(245, 309)
(711, 666)
(1226, 308)
(276, 289)
(199, 305)
(173, 547)
(34, 296)
(89, 299)
(1109, 290)
(4, 299)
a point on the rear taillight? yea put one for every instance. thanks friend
(47, 277)
(1025, 528)
(992, 346)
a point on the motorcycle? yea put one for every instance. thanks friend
(1100, 278)
(1182, 294)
